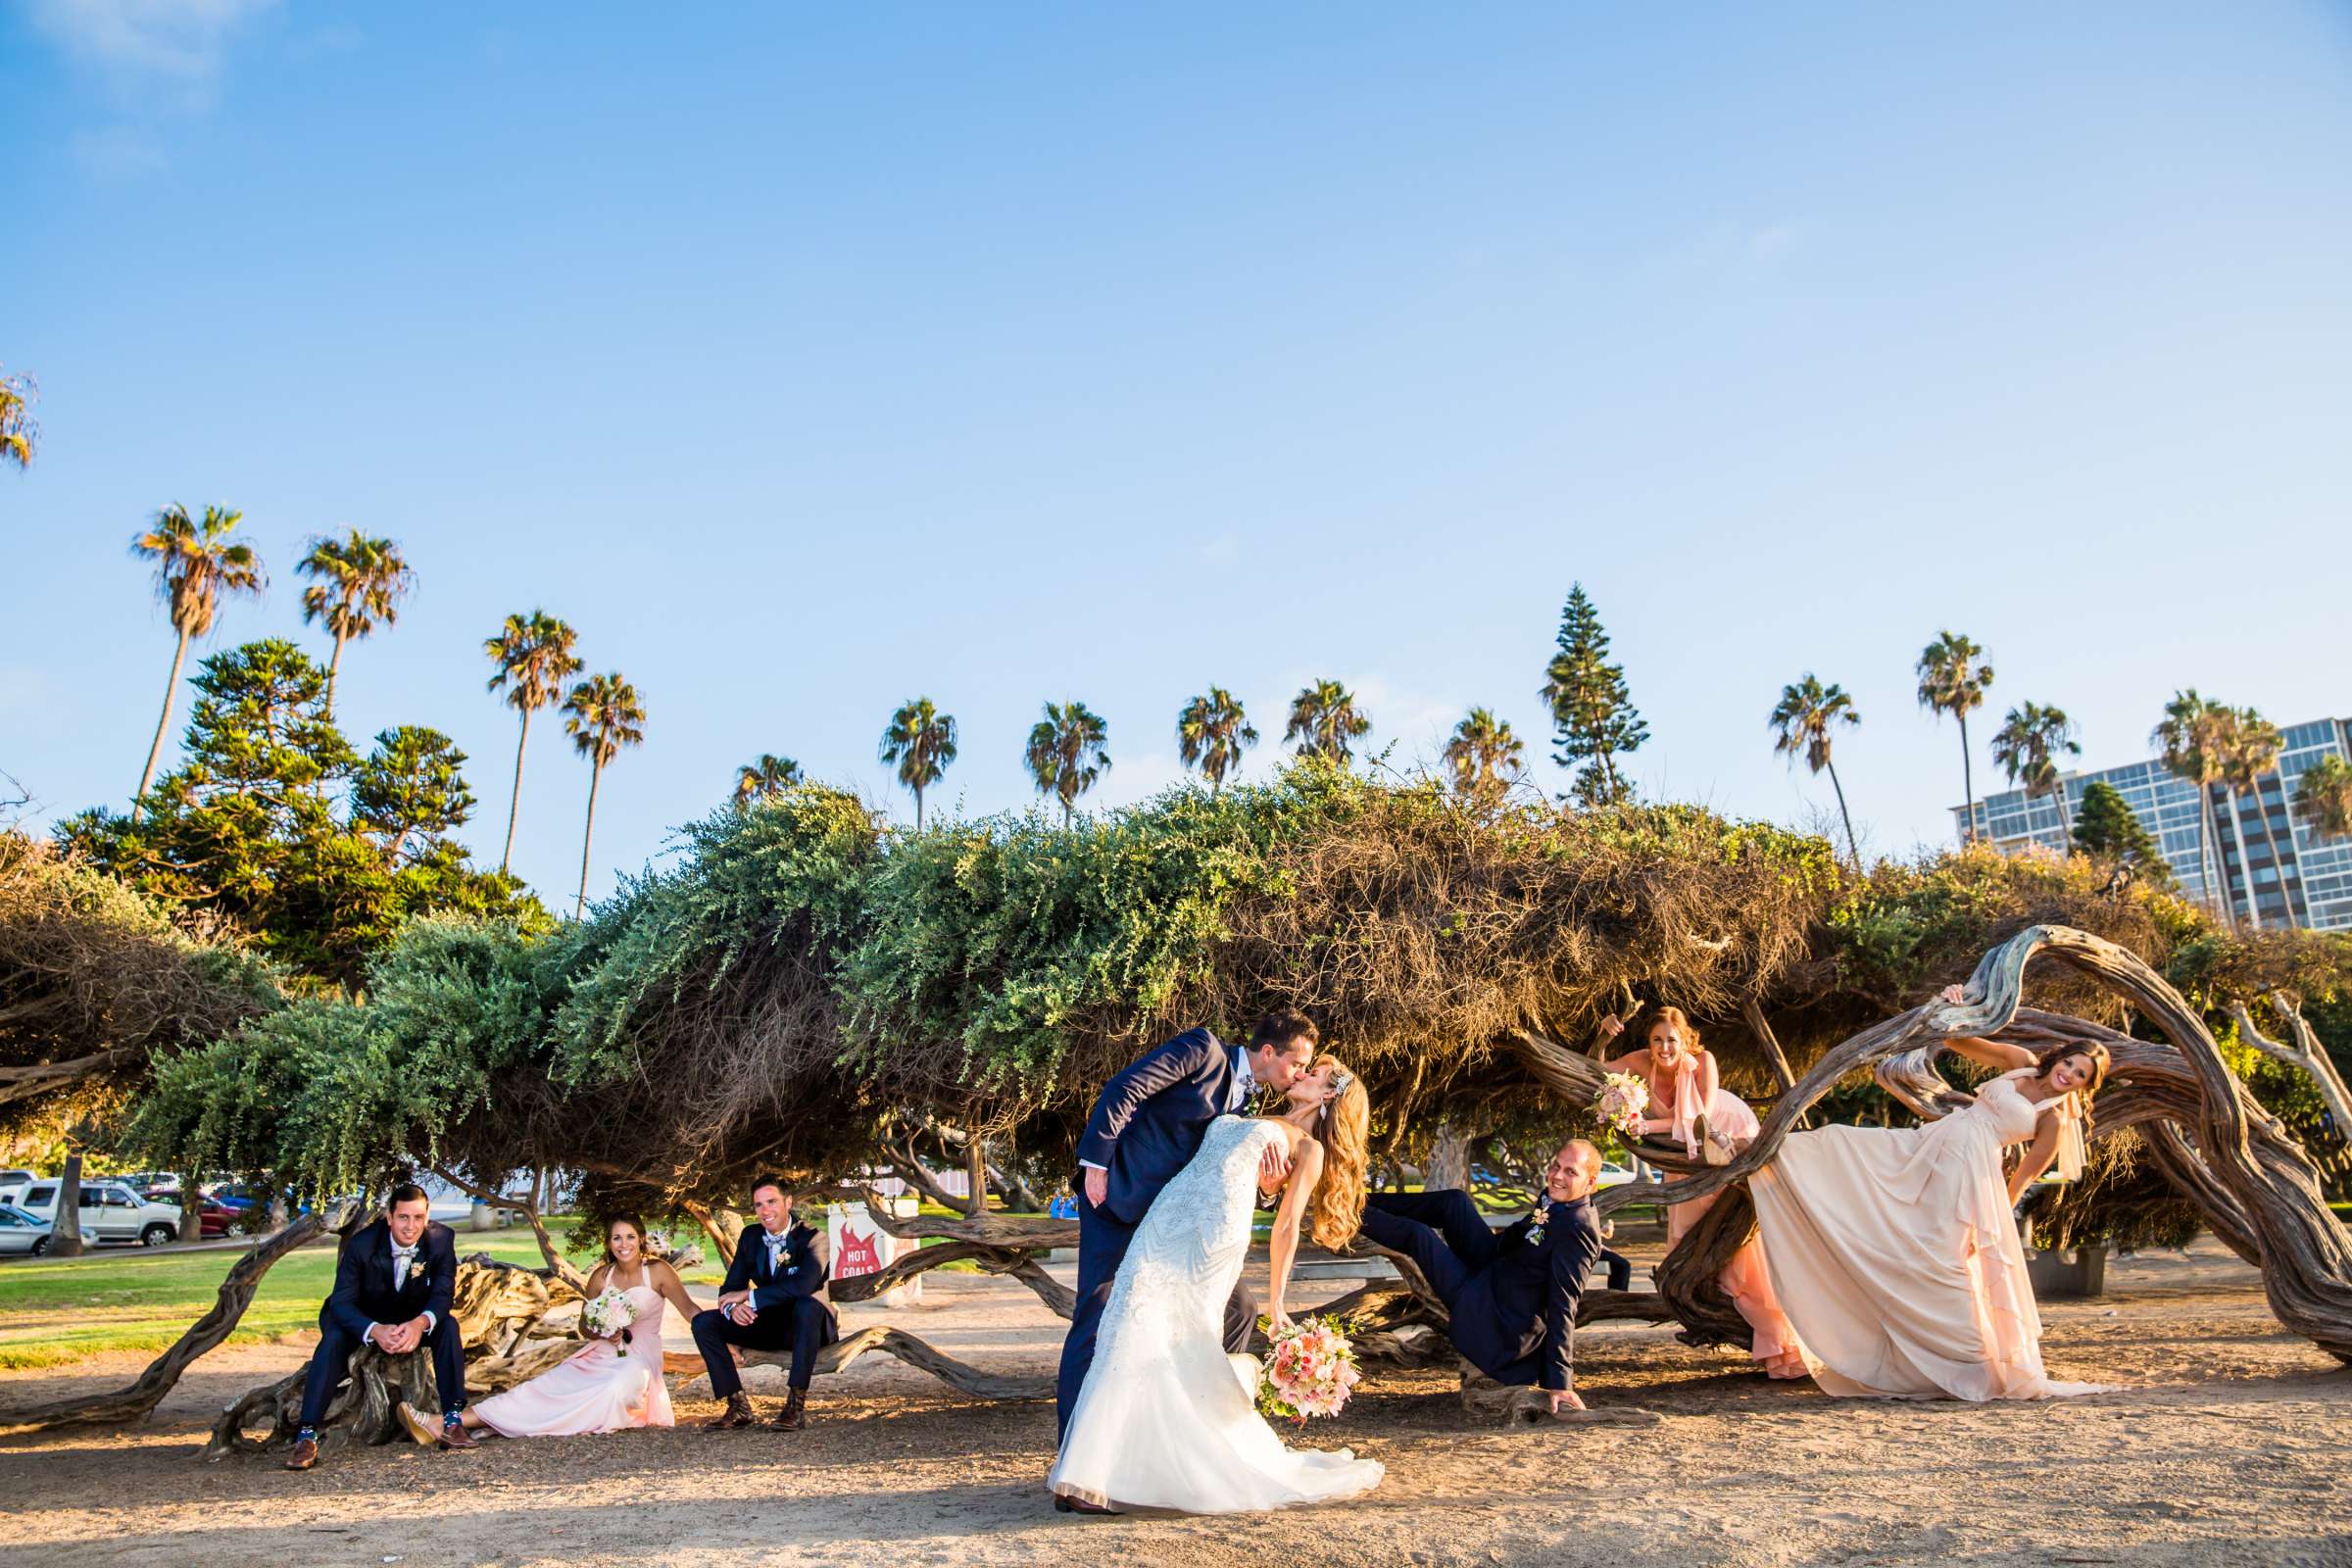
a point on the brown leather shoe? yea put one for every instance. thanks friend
(304, 1455)
(738, 1413)
(455, 1436)
(794, 1414)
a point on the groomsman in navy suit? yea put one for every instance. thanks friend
(774, 1300)
(1147, 1125)
(392, 1288)
(1511, 1293)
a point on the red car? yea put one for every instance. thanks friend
(213, 1218)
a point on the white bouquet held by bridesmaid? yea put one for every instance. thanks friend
(608, 1315)
(1623, 1099)
(1311, 1371)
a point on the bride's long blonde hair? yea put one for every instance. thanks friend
(1335, 1207)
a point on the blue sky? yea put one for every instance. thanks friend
(814, 357)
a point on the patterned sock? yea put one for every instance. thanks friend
(301, 1432)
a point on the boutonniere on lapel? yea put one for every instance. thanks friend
(416, 1270)
(1535, 1232)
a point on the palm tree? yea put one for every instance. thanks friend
(1212, 733)
(1066, 753)
(1952, 677)
(19, 432)
(921, 740)
(2026, 746)
(1805, 716)
(361, 582)
(1325, 723)
(534, 657)
(2194, 741)
(1483, 754)
(2253, 748)
(195, 565)
(765, 779)
(2324, 797)
(606, 716)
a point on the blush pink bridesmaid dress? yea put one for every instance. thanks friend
(1896, 1252)
(596, 1390)
(1744, 1279)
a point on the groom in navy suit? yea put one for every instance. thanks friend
(773, 1299)
(1147, 1125)
(393, 1283)
(1511, 1295)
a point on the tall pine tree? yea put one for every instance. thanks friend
(1593, 716)
(2107, 829)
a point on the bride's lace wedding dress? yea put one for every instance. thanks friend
(1164, 1420)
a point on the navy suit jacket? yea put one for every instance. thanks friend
(1148, 1121)
(800, 1272)
(1516, 1318)
(365, 1292)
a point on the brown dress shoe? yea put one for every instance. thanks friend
(455, 1436)
(738, 1413)
(304, 1454)
(794, 1414)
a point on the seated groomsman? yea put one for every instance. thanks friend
(773, 1299)
(1511, 1293)
(392, 1290)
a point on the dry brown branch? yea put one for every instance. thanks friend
(140, 1399)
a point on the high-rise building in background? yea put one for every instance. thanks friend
(2310, 884)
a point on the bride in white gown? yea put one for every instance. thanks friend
(1166, 1419)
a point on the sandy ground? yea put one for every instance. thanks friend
(2228, 1445)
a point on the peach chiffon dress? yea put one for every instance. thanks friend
(1744, 1279)
(596, 1390)
(1896, 1252)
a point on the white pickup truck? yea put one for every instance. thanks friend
(110, 1208)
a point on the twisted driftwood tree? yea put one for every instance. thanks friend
(2255, 1185)
(801, 992)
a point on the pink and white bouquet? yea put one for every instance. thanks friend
(1622, 1099)
(608, 1315)
(1311, 1371)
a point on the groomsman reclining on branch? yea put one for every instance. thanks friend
(1513, 1293)
(774, 1299)
(392, 1288)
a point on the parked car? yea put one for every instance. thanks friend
(147, 1182)
(13, 1182)
(23, 1234)
(111, 1209)
(213, 1217)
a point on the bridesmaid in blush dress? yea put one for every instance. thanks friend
(1683, 1083)
(1896, 1249)
(607, 1385)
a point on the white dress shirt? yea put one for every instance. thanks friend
(402, 1257)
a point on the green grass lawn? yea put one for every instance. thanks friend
(136, 1300)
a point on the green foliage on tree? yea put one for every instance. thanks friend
(274, 825)
(2324, 797)
(920, 740)
(2106, 828)
(1326, 723)
(1211, 734)
(1068, 754)
(1592, 715)
(1953, 675)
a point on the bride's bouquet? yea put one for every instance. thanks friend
(1311, 1371)
(1622, 1101)
(608, 1315)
